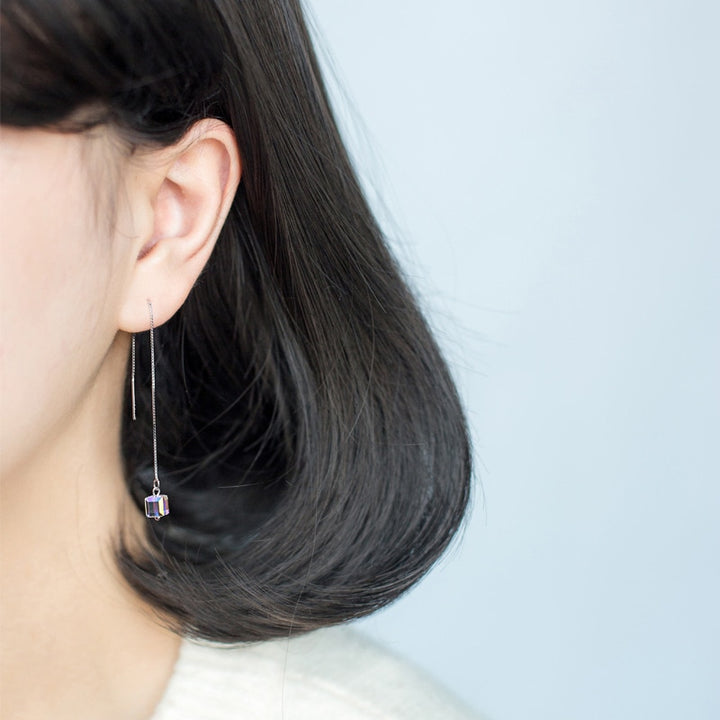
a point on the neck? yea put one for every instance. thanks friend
(76, 640)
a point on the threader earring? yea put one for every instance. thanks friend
(156, 505)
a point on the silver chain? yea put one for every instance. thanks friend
(156, 481)
(132, 377)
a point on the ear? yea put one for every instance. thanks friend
(178, 198)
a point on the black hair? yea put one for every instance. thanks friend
(314, 448)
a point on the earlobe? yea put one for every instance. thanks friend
(189, 200)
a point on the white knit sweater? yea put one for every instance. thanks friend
(330, 674)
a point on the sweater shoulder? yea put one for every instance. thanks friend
(334, 673)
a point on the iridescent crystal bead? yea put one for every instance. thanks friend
(156, 506)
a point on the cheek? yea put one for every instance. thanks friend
(51, 286)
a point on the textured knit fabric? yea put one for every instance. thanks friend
(329, 674)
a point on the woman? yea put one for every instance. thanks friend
(283, 451)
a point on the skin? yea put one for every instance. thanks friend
(76, 642)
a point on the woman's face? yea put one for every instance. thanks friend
(56, 282)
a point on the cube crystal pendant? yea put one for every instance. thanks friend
(156, 506)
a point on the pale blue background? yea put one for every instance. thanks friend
(551, 177)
